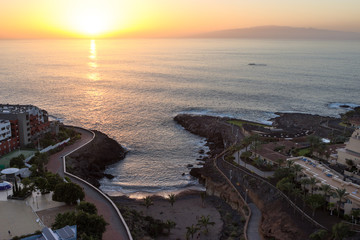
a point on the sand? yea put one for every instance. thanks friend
(187, 209)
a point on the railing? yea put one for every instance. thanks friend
(231, 184)
(91, 186)
(278, 191)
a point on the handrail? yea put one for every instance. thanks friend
(281, 193)
(231, 184)
(90, 185)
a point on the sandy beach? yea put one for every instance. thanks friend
(186, 211)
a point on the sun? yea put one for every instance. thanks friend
(91, 22)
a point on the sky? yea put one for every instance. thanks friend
(167, 18)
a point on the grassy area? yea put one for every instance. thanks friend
(5, 160)
(241, 122)
(303, 152)
(343, 124)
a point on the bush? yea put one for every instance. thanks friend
(18, 161)
(68, 193)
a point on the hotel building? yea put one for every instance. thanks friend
(21, 125)
(351, 152)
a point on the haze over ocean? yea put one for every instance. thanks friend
(132, 89)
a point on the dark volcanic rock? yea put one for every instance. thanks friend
(215, 129)
(89, 162)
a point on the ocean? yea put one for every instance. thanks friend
(131, 90)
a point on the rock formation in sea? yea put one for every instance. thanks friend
(89, 162)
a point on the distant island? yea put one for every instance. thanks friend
(281, 32)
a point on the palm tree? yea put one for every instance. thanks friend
(147, 202)
(327, 190)
(340, 230)
(315, 201)
(169, 225)
(304, 182)
(191, 231)
(312, 182)
(340, 194)
(204, 222)
(171, 198)
(296, 192)
(246, 142)
(289, 163)
(319, 235)
(296, 169)
(331, 207)
(355, 213)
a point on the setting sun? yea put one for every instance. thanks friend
(91, 22)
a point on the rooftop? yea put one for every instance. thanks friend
(313, 168)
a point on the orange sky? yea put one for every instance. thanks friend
(167, 18)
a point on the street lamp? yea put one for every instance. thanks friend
(246, 194)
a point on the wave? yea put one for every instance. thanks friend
(340, 105)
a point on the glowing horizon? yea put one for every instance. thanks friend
(162, 18)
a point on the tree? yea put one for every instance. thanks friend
(340, 231)
(319, 235)
(280, 162)
(312, 182)
(314, 142)
(296, 169)
(355, 213)
(315, 201)
(53, 180)
(289, 163)
(17, 162)
(246, 142)
(147, 202)
(90, 224)
(285, 185)
(87, 207)
(331, 207)
(191, 231)
(42, 184)
(296, 192)
(204, 222)
(172, 199)
(304, 182)
(246, 155)
(340, 194)
(68, 193)
(327, 190)
(169, 225)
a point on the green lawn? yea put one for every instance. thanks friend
(303, 152)
(241, 122)
(5, 160)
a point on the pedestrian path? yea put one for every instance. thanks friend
(116, 229)
(254, 223)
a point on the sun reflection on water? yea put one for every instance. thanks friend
(93, 74)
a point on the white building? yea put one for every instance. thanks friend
(5, 130)
(351, 152)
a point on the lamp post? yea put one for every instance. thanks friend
(246, 194)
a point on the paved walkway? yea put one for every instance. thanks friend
(115, 230)
(254, 223)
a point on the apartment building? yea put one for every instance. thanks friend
(21, 125)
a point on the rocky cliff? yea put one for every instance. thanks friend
(89, 162)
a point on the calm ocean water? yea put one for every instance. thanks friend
(132, 89)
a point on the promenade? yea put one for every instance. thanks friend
(116, 229)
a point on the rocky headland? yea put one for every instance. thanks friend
(89, 162)
(278, 219)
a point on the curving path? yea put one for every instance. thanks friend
(116, 229)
